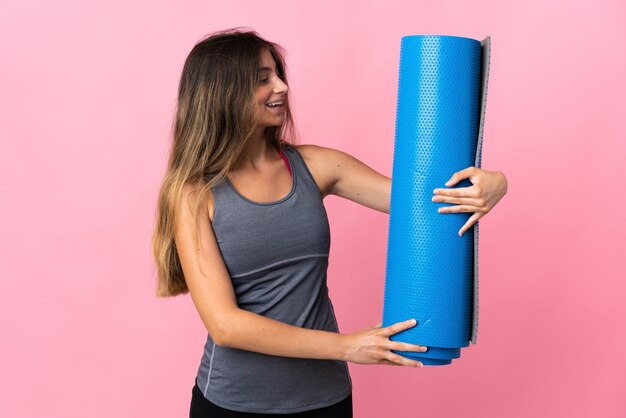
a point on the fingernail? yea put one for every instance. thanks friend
(436, 191)
(414, 321)
(420, 365)
(424, 349)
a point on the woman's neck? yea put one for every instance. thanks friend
(258, 150)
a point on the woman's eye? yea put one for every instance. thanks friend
(263, 81)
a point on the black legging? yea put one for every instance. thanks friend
(201, 407)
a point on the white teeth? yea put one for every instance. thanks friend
(274, 104)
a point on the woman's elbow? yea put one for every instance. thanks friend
(222, 332)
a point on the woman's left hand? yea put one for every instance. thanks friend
(487, 188)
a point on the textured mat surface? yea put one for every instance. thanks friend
(431, 272)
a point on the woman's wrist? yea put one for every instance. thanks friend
(344, 347)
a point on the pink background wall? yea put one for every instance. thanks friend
(88, 92)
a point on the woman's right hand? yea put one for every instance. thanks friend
(373, 346)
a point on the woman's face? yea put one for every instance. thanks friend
(271, 93)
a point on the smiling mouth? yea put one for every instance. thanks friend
(277, 103)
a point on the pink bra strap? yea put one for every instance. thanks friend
(282, 154)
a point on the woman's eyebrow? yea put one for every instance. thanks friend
(265, 69)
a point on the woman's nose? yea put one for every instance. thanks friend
(280, 86)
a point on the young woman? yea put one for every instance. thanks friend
(242, 227)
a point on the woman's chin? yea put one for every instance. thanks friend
(271, 125)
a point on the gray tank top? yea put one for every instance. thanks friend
(277, 257)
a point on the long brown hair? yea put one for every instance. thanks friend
(215, 118)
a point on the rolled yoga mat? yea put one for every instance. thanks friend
(432, 273)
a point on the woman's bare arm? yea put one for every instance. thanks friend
(341, 174)
(214, 297)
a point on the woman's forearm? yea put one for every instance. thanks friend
(249, 331)
(253, 332)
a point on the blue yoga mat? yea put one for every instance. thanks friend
(432, 273)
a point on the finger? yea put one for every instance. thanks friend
(402, 361)
(460, 175)
(399, 346)
(469, 191)
(457, 200)
(379, 325)
(458, 208)
(397, 327)
(470, 222)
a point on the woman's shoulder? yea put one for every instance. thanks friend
(199, 194)
(314, 156)
(322, 163)
(325, 157)
(314, 152)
